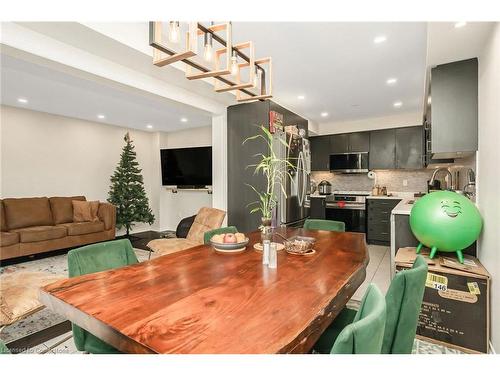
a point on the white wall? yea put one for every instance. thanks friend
(488, 177)
(386, 122)
(175, 206)
(49, 155)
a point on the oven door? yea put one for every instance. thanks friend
(354, 219)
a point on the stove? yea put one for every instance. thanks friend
(348, 207)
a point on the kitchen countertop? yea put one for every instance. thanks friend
(403, 208)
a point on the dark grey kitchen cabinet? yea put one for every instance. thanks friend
(454, 116)
(359, 142)
(320, 153)
(378, 220)
(339, 143)
(382, 149)
(410, 147)
(350, 142)
(318, 208)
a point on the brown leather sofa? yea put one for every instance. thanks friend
(37, 225)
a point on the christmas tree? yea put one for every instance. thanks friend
(127, 191)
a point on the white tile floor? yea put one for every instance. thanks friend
(377, 271)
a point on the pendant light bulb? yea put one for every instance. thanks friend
(208, 53)
(234, 64)
(173, 31)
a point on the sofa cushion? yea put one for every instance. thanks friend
(77, 229)
(206, 219)
(62, 208)
(3, 223)
(27, 212)
(41, 233)
(165, 246)
(85, 211)
(8, 238)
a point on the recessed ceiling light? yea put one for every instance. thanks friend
(324, 114)
(397, 104)
(380, 39)
(391, 81)
(460, 24)
(149, 126)
(101, 117)
(183, 119)
(22, 100)
(301, 97)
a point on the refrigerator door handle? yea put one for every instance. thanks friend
(300, 171)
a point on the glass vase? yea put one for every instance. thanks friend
(266, 232)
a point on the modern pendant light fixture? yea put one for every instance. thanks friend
(232, 67)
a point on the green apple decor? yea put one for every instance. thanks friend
(445, 221)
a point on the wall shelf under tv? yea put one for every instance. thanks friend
(176, 189)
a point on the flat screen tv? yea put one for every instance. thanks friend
(187, 167)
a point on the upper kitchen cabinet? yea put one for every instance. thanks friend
(339, 143)
(382, 149)
(410, 147)
(350, 142)
(454, 90)
(320, 153)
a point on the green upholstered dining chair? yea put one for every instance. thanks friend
(95, 258)
(364, 335)
(319, 224)
(208, 235)
(403, 299)
(3, 348)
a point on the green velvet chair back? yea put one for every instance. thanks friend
(319, 224)
(95, 258)
(3, 348)
(208, 235)
(365, 334)
(404, 300)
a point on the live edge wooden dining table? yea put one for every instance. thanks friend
(200, 301)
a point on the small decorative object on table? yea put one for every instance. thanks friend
(299, 245)
(266, 245)
(273, 255)
(229, 242)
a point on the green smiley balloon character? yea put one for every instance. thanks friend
(445, 221)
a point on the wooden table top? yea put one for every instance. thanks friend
(200, 301)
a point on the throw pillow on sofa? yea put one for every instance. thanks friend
(85, 211)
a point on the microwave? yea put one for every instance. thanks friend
(349, 162)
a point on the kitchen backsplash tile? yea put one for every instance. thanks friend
(392, 179)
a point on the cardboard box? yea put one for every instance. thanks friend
(455, 307)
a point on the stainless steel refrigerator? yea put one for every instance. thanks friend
(292, 210)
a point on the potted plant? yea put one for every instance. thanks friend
(275, 170)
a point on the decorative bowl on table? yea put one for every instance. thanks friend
(229, 243)
(300, 245)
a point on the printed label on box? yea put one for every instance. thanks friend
(458, 295)
(473, 288)
(437, 282)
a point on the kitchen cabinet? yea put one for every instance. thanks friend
(410, 147)
(378, 220)
(318, 208)
(320, 153)
(359, 142)
(350, 142)
(339, 143)
(382, 149)
(454, 110)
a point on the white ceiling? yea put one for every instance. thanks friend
(338, 67)
(58, 92)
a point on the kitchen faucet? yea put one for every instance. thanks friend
(449, 185)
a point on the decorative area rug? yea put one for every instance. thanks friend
(54, 267)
